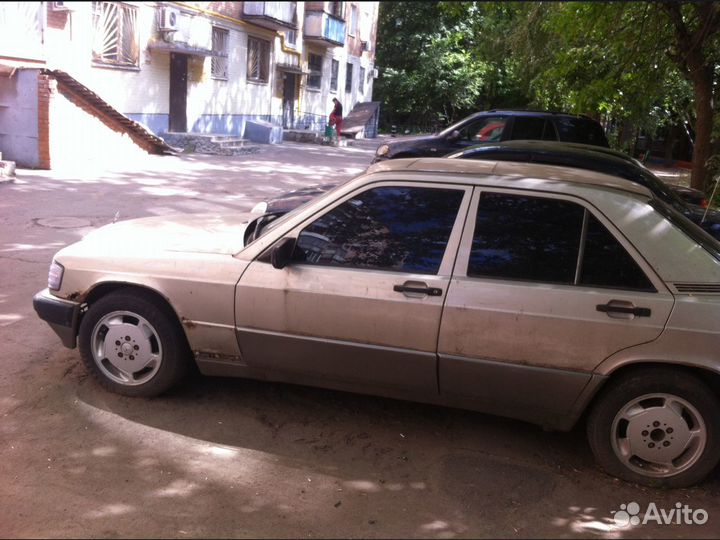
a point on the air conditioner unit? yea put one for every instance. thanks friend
(60, 6)
(366, 46)
(169, 19)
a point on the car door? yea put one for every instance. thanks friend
(362, 302)
(543, 291)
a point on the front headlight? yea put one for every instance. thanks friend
(382, 150)
(55, 276)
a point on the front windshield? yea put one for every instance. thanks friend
(270, 225)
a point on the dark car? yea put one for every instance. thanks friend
(496, 126)
(593, 158)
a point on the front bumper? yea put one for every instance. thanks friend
(63, 316)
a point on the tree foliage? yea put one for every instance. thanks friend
(630, 64)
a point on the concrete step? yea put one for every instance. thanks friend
(231, 141)
(7, 169)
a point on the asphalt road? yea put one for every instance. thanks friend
(238, 458)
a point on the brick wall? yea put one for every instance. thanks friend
(231, 9)
(46, 89)
(56, 19)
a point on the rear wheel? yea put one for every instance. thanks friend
(658, 427)
(131, 344)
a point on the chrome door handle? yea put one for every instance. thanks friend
(626, 308)
(418, 289)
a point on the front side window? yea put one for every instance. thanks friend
(488, 129)
(538, 239)
(334, 68)
(219, 61)
(258, 60)
(400, 229)
(315, 65)
(348, 77)
(115, 37)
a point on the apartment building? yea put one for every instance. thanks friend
(197, 67)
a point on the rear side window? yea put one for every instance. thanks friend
(606, 263)
(526, 238)
(528, 127)
(401, 229)
(581, 130)
(539, 239)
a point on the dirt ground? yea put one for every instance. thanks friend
(236, 458)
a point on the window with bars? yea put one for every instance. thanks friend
(219, 61)
(334, 68)
(115, 37)
(348, 77)
(258, 60)
(315, 65)
(361, 82)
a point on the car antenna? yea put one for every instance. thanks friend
(712, 198)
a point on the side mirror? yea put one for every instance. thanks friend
(454, 136)
(281, 254)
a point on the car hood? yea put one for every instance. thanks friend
(414, 140)
(197, 233)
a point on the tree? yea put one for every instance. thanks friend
(630, 64)
(695, 51)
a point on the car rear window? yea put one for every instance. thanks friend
(581, 130)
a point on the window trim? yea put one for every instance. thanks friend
(334, 62)
(349, 71)
(353, 17)
(223, 54)
(463, 257)
(258, 80)
(448, 260)
(99, 62)
(316, 72)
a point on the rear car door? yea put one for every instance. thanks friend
(362, 303)
(543, 291)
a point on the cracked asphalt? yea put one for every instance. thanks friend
(237, 458)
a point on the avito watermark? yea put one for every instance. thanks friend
(681, 514)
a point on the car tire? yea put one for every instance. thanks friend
(132, 344)
(659, 427)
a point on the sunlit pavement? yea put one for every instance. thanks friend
(235, 458)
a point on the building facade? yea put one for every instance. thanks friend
(199, 67)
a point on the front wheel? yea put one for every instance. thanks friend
(131, 345)
(659, 427)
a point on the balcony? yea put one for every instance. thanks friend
(272, 15)
(324, 29)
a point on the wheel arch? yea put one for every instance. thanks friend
(706, 375)
(102, 289)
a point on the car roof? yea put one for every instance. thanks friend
(530, 112)
(510, 169)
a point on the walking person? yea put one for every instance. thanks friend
(336, 117)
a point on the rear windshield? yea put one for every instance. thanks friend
(696, 234)
(581, 130)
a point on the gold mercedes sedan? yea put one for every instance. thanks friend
(542, 293)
